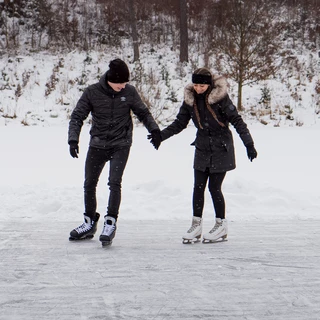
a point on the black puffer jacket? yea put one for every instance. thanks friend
(111, 115)
(214, 142)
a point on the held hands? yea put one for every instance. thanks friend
(155, 138)
(74, 149)
(251, 152)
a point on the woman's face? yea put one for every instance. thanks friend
(200, 88)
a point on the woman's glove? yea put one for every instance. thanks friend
(251, 152)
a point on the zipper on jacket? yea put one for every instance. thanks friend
(112, 111)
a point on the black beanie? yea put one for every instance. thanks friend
(118, 71)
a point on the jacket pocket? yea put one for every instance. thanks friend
(225, 146)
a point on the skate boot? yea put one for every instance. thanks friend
(195, 231)
(218, 233)
(109, 231)
(86, 230)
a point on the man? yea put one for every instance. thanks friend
(110, 102)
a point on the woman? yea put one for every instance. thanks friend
(207, 103)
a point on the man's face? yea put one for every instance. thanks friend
(200, 88)
(117, 86)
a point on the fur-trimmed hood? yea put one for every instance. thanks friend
(219, 91)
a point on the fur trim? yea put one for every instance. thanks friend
(219, 91)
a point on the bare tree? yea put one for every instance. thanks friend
(134, 34)
(183, 32)
(4, 24)
(245, 42)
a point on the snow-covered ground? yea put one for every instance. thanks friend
(269, 268)
(40, 179)
(43, 89)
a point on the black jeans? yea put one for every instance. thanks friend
(215, 182)
(95, 162)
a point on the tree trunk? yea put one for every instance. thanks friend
(183, 32)
(133, 24)
(239, 104)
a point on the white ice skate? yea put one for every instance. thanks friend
(218, 233)
(109, 231)
(195, 231)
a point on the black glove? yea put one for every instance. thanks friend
(155, 138)
(251, 152)
(74, 149)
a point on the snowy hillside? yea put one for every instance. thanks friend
(42, 89)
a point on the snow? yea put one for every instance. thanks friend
(268, 269)
(36, 168)
(49, 86)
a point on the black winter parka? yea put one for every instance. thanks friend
(111, 115)
(214, 142)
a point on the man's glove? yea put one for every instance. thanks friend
(155, 138)
(251, 152)
(74, 149)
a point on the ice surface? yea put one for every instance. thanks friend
(268, 268)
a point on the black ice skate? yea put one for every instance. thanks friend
(109, 231)
(86, 230)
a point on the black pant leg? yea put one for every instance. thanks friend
(215, 183)
(95, 161)
(118, 163)
(200, 182)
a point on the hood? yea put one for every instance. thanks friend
(219, 91)
(103, 82)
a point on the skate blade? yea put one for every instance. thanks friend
(188, 241)
(89, 237)
(223, 239)
(106, 243)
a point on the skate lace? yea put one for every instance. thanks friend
(193, 227)
(108, 229)
(83, 228)
(215, 228)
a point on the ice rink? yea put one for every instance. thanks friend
(264, 271)
(267, 270)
